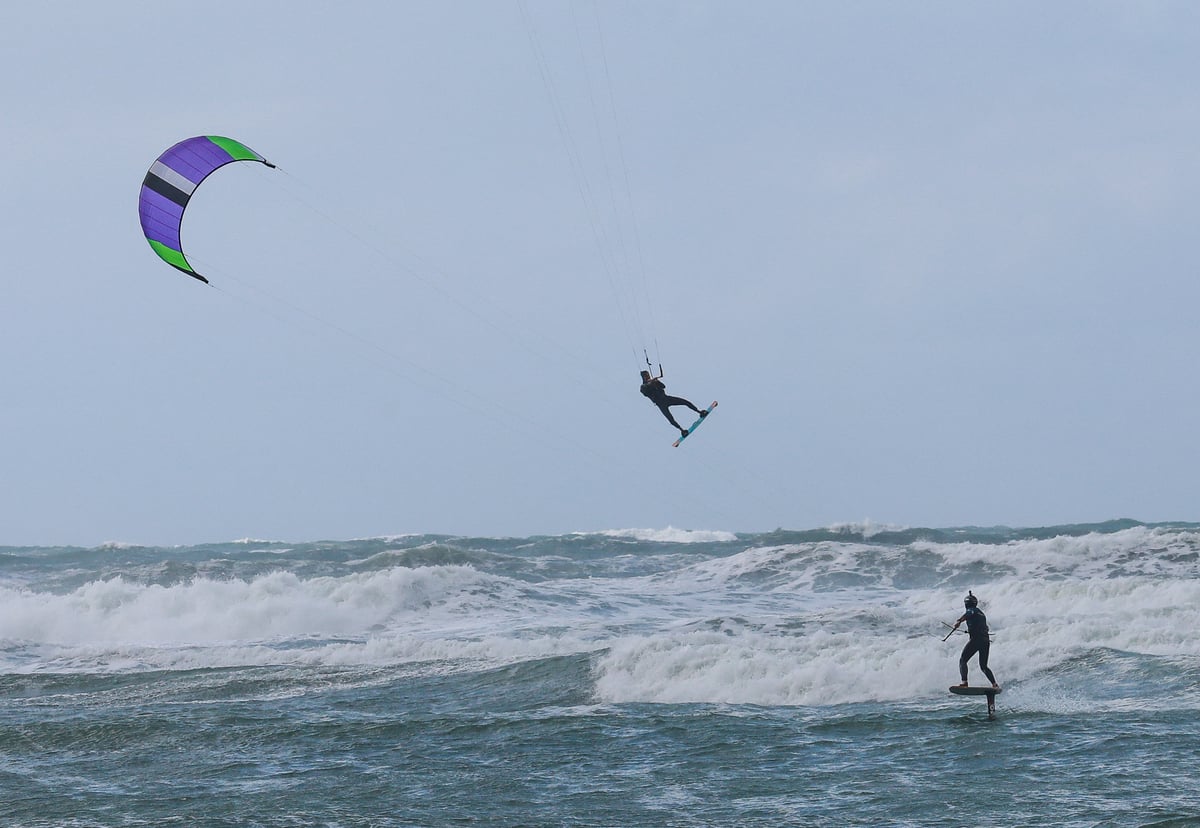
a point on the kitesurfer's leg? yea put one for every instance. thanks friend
(663, 407)
(680, 401)
(969, 650)
(983, 665)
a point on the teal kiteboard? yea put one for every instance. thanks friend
(696, 424)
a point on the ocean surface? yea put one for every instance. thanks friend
(623, 678)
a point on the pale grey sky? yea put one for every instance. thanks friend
(936, 260)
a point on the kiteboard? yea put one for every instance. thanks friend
(696, 424)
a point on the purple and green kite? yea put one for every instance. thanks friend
(169, 186)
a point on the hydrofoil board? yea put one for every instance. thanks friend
(990, 692)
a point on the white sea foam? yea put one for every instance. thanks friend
(1142, 549)
(868, 528)
(202, 611)
(389, 538)
(669, 535)
(820, 668)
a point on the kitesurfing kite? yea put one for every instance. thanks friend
(169, 186)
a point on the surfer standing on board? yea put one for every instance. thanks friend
(656, 390)
(977, 630)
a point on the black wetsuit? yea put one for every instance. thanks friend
(979, 642)
(656, 390)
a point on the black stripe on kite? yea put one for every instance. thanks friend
(166, 190)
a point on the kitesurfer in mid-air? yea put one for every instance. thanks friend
(978, 642)
(656, 390)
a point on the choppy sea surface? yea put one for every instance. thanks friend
(623, 678)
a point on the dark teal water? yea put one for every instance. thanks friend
(603, 680)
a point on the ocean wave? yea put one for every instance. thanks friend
(204, 610)
(669, 535)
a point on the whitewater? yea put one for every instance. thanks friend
(627, 677)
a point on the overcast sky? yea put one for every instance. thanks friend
(937, 261)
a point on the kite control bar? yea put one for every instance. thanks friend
(651, 367)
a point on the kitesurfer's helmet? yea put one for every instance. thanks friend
(645, 376)
(970, 601)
